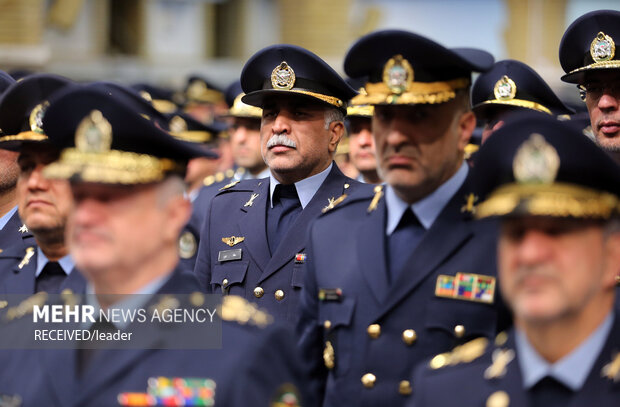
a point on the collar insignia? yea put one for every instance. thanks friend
(251, 201)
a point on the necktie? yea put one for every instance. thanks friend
(402, 242)
(548, 392)
(50, 279)
(86, 355)
(286, 208)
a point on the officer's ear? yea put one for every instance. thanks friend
(336, 132)
(466, 125)
(176, 206)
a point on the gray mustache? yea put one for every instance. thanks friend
(281, 140)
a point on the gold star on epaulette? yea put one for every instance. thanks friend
(23, 228)
(232, 184)
(375, 199)
(332, 202)
(26, 306)
(251, 201)
(470, 203)
(501, 358)
(238, 309)
(612, 369)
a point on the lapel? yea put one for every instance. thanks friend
(295, 239)
(59, 366)
(252, 224)
(371, 252)
(75, 282)
(449, 231)
(20, 281)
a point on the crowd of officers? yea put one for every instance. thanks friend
(368, 253)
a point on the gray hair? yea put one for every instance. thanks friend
(333, 115)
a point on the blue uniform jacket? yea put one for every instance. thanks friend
(255, 274)
(255, 365)
(12, 232)
(360, 336)
(464, 384)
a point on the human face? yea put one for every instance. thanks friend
(305, 147)
(361, 144)
(603, 103)
(245, 144)
(123, 229)
(420, 146)
(551, 269)
(43, 204)
(198, 168)
(9, 170)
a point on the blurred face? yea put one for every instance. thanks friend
(199, 168)
(9, 170)
(294, 142)
(361, 144)
(245, 143)
(44, 204)
(551, 269)
(603, 102)
(120, 227)
(420, 146)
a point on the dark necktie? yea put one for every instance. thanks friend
(548, 392)
(86, 355)
(50, 279)
(402, 242)
(286, 208)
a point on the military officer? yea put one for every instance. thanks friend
(512, 86)
(361, 144)
(253, 238)
(375, 300)
(557, 195)
(43, 263)
(588, 56)
(127, 179)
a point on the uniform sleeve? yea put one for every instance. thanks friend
(203, 258)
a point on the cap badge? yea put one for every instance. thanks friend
(397, 74)
(36, 117)
(536, 161)
(505, 89)
(187, 245)
(283, 77)
(177, 124)
(602, 48)
(94, 133)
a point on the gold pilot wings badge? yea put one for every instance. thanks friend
(233, 240)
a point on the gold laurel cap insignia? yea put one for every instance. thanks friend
(233, 240)
(36, 117)
(505, 89)
(397, 74)
(177, 124)
(602, 48)
(283, 77)
(94, 133)
(536, 161)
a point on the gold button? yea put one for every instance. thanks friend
(374, 331)
(327, 324)
(498, 399)
(279, 295)
(409, 336)
(459, 331)
(259, 292)
(404, 388)
(368, 380)
(224, 282)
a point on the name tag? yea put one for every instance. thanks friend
(330, 294)
(229, 255)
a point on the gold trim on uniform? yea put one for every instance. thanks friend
(612, 369)
(197, 91)
(230, 185)
(416, 92)
(329, 356)
(360, 110)
(332, 202)
(519, 103)
(238, 309)
(25, 136)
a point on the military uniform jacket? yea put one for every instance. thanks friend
(487, 382)
(234, 256)
(12, 232)
(49, 377)
(360, 336)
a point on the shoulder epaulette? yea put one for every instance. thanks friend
(232, 184)
(465, 353)
(332, 202)
(247, 185)
(26, 307)
(240, 310)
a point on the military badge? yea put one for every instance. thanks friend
(287, 395)
(498, 399)
(172, 391)
(36, 117)
(536, 161)
(602, 48)
(94, 133)
(505, 89)
(470, 204)
(330, 294)
(187, 245)
(612, 369)
(232, 184)
(397, 74)
(329, 355)
(251, 201)
(375, 199)
(229, 255)
(23, 229)
(501, 359)
(283, 77)
(233, 240)
(466, 286)
(27, 257)
(300, 258)
(332, 202)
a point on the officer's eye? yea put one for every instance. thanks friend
(26, 167)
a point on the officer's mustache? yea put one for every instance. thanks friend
(281, 140)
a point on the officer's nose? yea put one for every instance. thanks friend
(36, 180)
(533, 247)
(281, 124)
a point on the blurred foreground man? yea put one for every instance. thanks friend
(558, 198)
(400, 274)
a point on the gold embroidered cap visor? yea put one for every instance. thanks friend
(406, 68)
(15, 142)
(292, 70)
(243, 110)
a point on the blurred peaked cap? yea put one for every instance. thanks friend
(161, 98)
(23, 107)
(358, 107)
(237, 108)
(200, 90)
(514, 84)
(6, 80)
(540, 166)
(589, 44)
(184, 127)
(407, 68)
(105, 138)
(288, 69)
